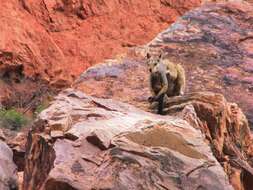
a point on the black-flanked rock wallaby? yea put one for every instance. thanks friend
(166, 79)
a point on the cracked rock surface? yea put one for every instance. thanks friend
(107, 144)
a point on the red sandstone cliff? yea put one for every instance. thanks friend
(89, 31)
(49, 42)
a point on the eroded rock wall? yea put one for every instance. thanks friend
(45, 44)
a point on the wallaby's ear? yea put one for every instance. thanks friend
(160, 56)
(148, 56)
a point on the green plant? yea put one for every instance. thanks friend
(12, 119)
(41, 107)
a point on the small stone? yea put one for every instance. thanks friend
(56, 134)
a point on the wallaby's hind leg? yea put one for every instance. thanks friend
(180, 81)
(177, 89)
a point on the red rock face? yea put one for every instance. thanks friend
(89, 31)
(26, 46)
(29, 57)
(50, 42)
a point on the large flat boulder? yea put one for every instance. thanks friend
(81, 142)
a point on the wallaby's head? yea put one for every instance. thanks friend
(153, 62)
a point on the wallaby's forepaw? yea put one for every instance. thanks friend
(153, 105)
(161, 112)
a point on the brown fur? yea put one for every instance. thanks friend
(166, 78)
